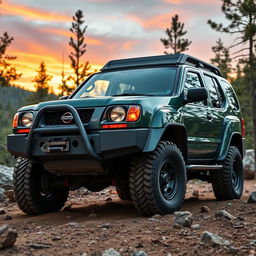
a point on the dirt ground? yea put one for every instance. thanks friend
(93, 222)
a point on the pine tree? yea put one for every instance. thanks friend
(176, 40)
(241, 15)
(222, 58)
(64, 87)
(8, 73)
(41, 85)
(81, 69)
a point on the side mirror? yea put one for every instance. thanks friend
(63, 97)
(196, 94)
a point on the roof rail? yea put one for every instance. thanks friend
(170, 59)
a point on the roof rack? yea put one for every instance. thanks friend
(171, 59)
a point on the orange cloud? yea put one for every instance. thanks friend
(128, 46)
(67, 33)
(29, 13)
(28, 64)
(173, 1)
(156, 22)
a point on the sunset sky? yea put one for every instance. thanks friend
(116, 29)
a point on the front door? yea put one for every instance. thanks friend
(198, 121)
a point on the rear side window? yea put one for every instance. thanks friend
(215, 92)
(231, 95)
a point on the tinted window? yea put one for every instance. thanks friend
(214, 91)
(231, 95)
(193, 81)
(149, 81)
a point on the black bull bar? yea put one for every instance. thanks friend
(77, 127)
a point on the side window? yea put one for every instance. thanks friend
(214, 91)
(193, 81)
(231, 94)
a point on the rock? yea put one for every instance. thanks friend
(2, 195)
(38, 246)
(139, 253)
(152, 219)
(196, 226)
(6, 177)
(195, 193)
(72, 224)
(252, 198)
(8, 217)
(106, 225)
(157, 216)
(10, 195)
(7, 237)
(225, 214)
(209, 238)
(183, 218)
(84, 254)
(2, 211)
(177, 226)
(109, 199)
(93, 215)
(205, 209)
(249, 165)
(238, 224)
(111, 252)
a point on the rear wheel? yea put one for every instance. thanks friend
(158, 180)
(32, 188)
(228, 183)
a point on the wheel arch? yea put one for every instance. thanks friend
(236, 139)
(175, 133)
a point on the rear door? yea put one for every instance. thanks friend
(217, 109)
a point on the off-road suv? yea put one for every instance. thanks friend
(145, 125)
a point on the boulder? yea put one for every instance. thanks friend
(5, 180)
(249, 165)
(7, 237)
(184, 219)
(212, 239)
(6, 177)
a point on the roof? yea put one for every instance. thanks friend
(169, 59)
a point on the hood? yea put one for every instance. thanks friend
(103, 101)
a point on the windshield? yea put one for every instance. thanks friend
(148, 81)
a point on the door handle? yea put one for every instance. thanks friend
(209, 116)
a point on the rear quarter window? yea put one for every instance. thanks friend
(231, 95)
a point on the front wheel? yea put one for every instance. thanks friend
(33, 191)
(158, 180)
(228, 183)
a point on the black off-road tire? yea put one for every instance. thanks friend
(123, 191)
(158, 180)
(228, 183)
(28, 193)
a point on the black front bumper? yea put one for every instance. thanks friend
(105, 143)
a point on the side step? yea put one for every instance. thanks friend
(194, 167)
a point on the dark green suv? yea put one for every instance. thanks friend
(145, 125)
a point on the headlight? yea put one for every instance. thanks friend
(27, 119)
(117, 114)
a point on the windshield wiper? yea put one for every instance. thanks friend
(132, 94)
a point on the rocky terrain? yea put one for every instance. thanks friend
(96, 224)
(100, 224)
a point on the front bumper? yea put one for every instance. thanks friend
(107, 143)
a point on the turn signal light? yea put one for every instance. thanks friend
(23, 131)
(133, 114)
(15, 120)
(112, 126)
